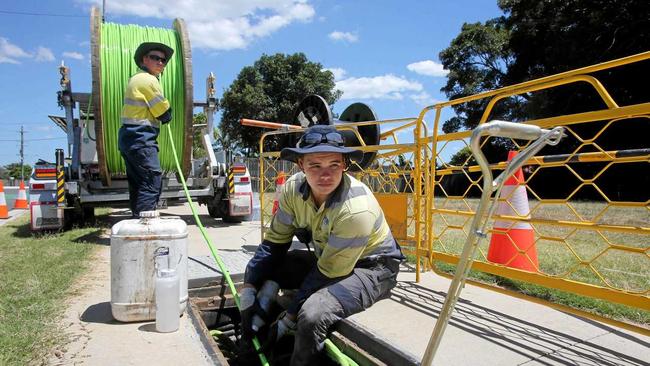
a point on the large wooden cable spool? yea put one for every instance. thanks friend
(181, 31)
(97, 93)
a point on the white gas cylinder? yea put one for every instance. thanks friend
(134, 243)
(167, 290)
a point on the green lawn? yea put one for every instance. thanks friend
(36, 272)
(589, 256)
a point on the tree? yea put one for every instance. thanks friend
(198, 150)
(463, 157)
(270, 90)
(569, 34)
(477, 60)
(13, 170)
(534, 39)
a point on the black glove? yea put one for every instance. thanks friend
(281, 326)
(166, 117)
(247, 309)
(304, 236)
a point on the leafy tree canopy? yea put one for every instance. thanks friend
(534, 39)
(270, 90)
(13, 170)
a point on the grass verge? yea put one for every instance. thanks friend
(37, 271)
(590, 305)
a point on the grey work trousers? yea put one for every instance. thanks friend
(369, 282)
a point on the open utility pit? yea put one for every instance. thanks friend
(212, 308)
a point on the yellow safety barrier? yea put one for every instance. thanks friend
(591, 235)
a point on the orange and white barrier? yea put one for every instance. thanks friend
(4, 210)
(21, 200)
(279, 183)
(513, 243)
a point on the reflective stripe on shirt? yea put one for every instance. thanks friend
(349, 226)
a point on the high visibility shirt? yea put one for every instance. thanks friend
(143, 101)
(348, 227)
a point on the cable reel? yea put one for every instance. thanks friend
(314, 110)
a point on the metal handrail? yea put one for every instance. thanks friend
(477, 231)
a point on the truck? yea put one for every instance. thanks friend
(68, 190)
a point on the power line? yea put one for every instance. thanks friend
(46, 139)
(42, 14)
(28, 140)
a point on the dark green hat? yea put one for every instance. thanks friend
(146, 47)
(320, 139)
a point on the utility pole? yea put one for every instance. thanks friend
(22, 155)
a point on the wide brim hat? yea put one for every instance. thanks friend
(146, 47)
(294, 153)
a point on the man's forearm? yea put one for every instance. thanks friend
(260, 267)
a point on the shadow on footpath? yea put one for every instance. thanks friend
(207, 220)
(520, 336)
(99, 313)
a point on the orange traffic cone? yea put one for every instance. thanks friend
(4, 211)
(21, 200)
(513, 244)
(279, 183)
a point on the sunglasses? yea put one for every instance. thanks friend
(158, 58)
(316, 138)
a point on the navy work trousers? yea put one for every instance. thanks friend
(145, 178)
(368, 283)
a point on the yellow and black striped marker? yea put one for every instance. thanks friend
(231, 181)
(60, 179)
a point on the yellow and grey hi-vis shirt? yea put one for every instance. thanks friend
(348, 227)
(143, 101)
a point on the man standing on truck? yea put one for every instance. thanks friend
(352, 261)
(144, 109)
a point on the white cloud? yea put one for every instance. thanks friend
(219, 25)
(74, 55)
(338, 72)
(44, 54)
(343, 36)
(10, 53)
(378, 87)
(423, 99)
(428, 68)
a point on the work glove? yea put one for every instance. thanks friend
(281, 327)
(247, 309)
(166, 117)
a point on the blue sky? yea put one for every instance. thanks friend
(383, 53)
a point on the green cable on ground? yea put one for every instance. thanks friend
(118, 45)
(333, 351)
(337, 355)
(213, 250)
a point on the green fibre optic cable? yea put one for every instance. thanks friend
(337, 355)
(213, 250)
(330, 347)
(118, 45)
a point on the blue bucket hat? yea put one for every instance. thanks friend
(320, 139)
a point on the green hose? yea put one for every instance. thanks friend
(337, 355)
(332, 351)
(213, 250)
(118, 45)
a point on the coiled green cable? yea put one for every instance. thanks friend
(118, 45)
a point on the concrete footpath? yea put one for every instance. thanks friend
(486, 328)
